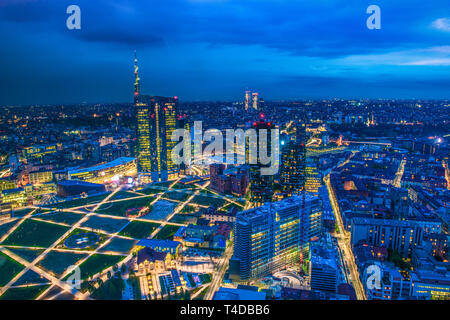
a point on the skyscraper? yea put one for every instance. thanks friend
(248, 97)
(255, 100)
(261, 186)
(312, 175)
(269, 237)
(156, 120)
(183, 122)
(292, 171)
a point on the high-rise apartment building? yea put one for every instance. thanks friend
(272, 236)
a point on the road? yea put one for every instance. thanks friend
(399, 174)
(219, 274)
(343, 238)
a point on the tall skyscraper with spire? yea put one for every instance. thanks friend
(136, 76)
(156, 120)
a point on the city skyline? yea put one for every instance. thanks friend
(290, 51)
(224, 150)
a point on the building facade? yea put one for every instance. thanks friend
(269, 237)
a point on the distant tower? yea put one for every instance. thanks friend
(248, 96)
(136, 76)
(255, 100)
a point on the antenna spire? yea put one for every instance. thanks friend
(136, 76)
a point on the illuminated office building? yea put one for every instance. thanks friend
(38, 153)
(268, 238)
(40, 176)
(313, 180)
(292, 171)
(156, 121)
(261, 186)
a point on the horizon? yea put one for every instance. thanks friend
(293, 100)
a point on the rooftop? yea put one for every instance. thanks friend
(104, 166)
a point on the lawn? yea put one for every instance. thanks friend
(81, 202)
(21, 212)
(151, 190)
(208, 201)
(30, 277)
(139, 229)
(160, 210)
(184, 186)
(189, 209)
(167, 232)
(119, 245)
(230, 206)
(124, 195)
(109, 225)
(177, 195)
(27, 254)
(23, 293)
(8, 268)
(61, 217)
(120, 208)
(110, 290)
(32, 233)
(97, 263)
(184, 218)
(57, 262)
(5, 227)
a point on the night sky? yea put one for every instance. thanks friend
(215, 49)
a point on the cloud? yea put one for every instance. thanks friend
(430, 62)
(321, 28)
(432, 56)
(442, 24)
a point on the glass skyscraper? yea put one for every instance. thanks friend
(292, 171)
(261, 186)
(156, 121)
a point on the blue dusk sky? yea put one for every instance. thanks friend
(215, 49)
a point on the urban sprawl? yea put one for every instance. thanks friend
(92, 205)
